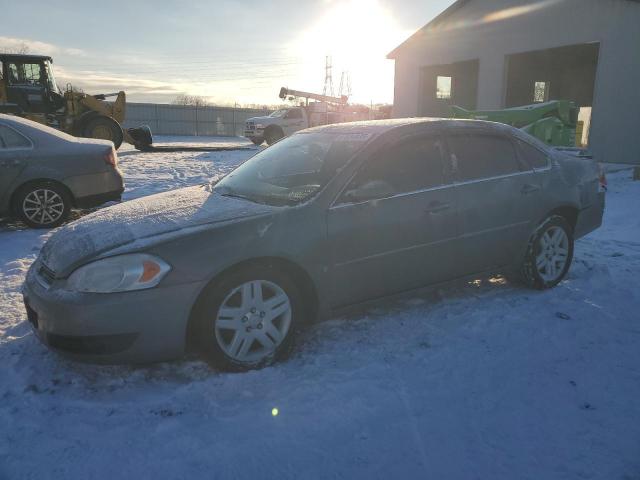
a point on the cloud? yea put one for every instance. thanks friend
(12, 44)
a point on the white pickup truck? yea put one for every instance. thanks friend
(280, 123)
(286, 121)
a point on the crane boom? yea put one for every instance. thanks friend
(286, 92)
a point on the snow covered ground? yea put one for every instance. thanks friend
(485, 380)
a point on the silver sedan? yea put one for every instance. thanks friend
(45, 173)
(327, 218)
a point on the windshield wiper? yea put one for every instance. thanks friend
(243, 197)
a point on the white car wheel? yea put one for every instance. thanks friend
(549, 253)
(253, 321)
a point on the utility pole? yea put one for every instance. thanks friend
(328, 78)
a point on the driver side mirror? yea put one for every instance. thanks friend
(372, 190)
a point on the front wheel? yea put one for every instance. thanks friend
(272, 134)
(248, 320)
(549, 253)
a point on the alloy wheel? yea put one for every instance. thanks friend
(553, 254)
(253, 321)
(43, 206)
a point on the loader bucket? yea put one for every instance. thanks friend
(142, 138)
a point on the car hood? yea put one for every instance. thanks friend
(264, 120)
(123, 226)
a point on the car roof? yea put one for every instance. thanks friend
(33, 127)
(381, 126)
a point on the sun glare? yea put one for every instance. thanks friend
(357, 35)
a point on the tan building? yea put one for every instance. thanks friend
(493, 54)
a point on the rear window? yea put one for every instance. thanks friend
(9, 138)
(534, 157)
(483, 156)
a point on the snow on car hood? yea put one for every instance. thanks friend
(143, 218)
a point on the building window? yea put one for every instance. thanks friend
(443, 87)
(541, 92)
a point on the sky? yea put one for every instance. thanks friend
(227, 51)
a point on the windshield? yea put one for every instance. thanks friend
(53, 86)
(279, 113)
(292, 170)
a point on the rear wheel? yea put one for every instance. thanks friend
(549, 254)
(43, 205)
(272, 134)
(104, 128)
(249, 319)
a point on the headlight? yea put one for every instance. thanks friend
(122, 273)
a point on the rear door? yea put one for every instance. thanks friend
(15, 149)
(496, 196)
(401, 240)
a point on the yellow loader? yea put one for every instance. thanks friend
(28, 89)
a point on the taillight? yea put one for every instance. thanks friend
(602, 180)
(111, 157)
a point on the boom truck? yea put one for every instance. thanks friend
(28, 89)
(553, 122)
(285, 121)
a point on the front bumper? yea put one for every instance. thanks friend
(130, 327)
(254, 133)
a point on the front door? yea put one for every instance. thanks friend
(402, 240)
(293, 121)
(497, 197)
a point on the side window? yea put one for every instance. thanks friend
(534, 157)
(482, 156)
(411, 165)
(294, 114)
(9, 138)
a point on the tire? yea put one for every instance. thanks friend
(43, 204)
(272, 134)
(234, 327)
(257, 141)
(104, 128)
(549, 254)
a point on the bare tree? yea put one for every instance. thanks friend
(193, 100)
(21, 49)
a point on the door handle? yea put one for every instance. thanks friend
(437, 206)
(528, 188)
